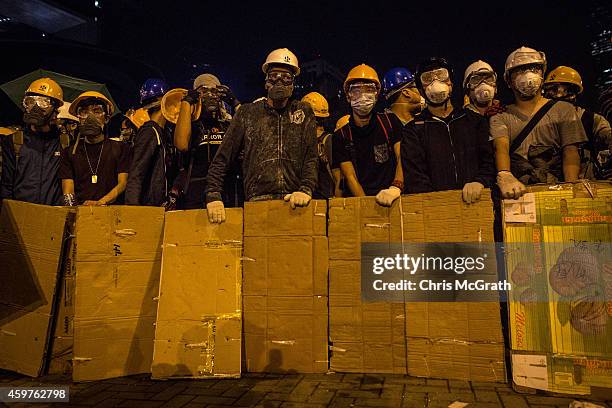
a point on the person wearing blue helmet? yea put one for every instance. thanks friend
(151, 90)
(402, 95)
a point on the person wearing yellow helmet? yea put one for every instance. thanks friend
(95, 170)
(33, 149)
(277, 136)
(536, 140)
(367, 148)
(565, 84)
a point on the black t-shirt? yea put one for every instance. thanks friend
(206, 137)
(373, 156)
(114, 158)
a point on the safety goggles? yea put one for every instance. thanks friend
(559, 91)
(285, 78)
(536, 68)
(356, 91)
(91, 110)
(43, 102)
(525, 58)
(440, 74)
(208, 92)
(477, 78)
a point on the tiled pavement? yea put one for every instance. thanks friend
(311, 390)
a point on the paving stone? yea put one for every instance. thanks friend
(485, 405)
(321, 396)
(341, 402)
(365, 402)
(91, 399)
(486, 396)
(459, 385)
(451, 396)
(513, 401)
(305, 387)
(109, 403)
(250, 398)
(94, 389)
(178, 401)
(140, 403)
(208, 399)
(352, 378)
(134, 395)
(236, 391)
(545, 400)
(169, 392)
(357, 394)
(276, 396)
(301, 405)
(129, 387)
(269, 404)
(436, 381)
(484, 385)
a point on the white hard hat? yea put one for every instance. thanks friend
(282, 56)
(206, 80)
(474, 67)
(523, 56)
(62, 112)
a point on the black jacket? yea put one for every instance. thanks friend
(147, 183)
(437, 156)
(32, 176)
(280, 150)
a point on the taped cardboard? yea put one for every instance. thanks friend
(117, 281)
(31, 244)
(199, 322)
(285, 287)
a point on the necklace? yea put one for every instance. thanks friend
(94, 174)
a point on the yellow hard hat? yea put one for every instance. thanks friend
(565, 75)
(171, 105)
(47, 87)
(319, 104)
(363, 72)
(342, 122)
(138, 117)
(91, 94)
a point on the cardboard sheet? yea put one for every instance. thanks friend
(199, 323)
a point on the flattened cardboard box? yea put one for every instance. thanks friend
(199, 324)
(365, 337)
(31, 243)
(285, 287)
(117, 282)
(549, 222)
(458, 340)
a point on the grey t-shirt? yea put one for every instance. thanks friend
(560, 127)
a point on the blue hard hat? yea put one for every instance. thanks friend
(395, 79)
(152, 88)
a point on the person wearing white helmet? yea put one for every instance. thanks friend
(536, 140)
(278, 138)
(480, 86)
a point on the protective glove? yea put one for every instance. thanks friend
(192, 97)
(387, 196)
(495, 108)
(216, 212)
(510, 187)
(472, 191)
(69, 200)
(227, 95)
(298, 199)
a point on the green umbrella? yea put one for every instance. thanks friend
(71, 86)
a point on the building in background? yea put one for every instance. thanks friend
(601, 43)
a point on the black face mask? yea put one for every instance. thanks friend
(279, 91)
(210, 104)
(36, 117)
(90, 128)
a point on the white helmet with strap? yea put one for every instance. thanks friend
(282, 56)
(523, 56)
(475, 67)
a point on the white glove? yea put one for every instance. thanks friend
(510, 187)
(472, 191)
(298, 199)
(387, 196)
(216, 212)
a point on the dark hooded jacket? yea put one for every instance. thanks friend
(280, 151)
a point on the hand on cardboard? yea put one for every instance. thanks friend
(298, 199)
(472, 191)
(510, 187)
(387, 196)
(216, 212)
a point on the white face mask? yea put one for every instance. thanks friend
(363, 105)
(484, 93)
(437, 92)
(528, 83)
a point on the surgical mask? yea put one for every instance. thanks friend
(36, 116)
(437, 92)
(363, 105)
(90, 127)
(528, 83)
(484, 93)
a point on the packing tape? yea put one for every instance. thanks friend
(81, 359)
(203, 344)
(318, 214)
(246, 258)
(383, 225)
(289, 342)
(8, 333)
(127, 232)
(338, 349)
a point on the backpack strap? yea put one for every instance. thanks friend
(530, 125)
(17, 141)
(64, 140)
(382, 125)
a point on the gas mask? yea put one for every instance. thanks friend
(527, 83)
(437, 92)
(279, 85)
(90, 127)
(210, 99)
(36, 116)
(484, 93)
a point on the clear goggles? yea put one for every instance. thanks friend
(43, 102)
(285, 78)
(529, 57)
(356, 91)
(440, 74)
(208, 92)
(478, 77)
(536, 68)
(560, 90)
(92, 110)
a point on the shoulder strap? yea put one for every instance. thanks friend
(382, 125)
(157, 135)
(588, 120)
(64, 140)
(530, 125)
(17, 141)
